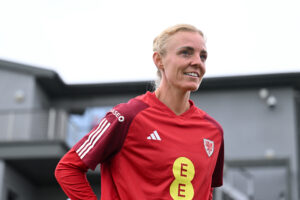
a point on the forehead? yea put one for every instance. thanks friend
(188, 39)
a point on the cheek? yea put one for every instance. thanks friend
(169, 67)
(203, 69)
(170, 73)
(175, 70)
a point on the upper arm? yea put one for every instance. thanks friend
(106, 139)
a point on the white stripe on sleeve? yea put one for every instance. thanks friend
(94, 142)
(92, 136)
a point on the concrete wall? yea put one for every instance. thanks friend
(13, 83)
(22, 118)
(17, 184)
(248, 121)
(56, 193)
(40, 116)
(10, 84)
(92, 101)
(2, 172)
(51, 193)
(40, 98)
(251, 128)
(12, 111)
(298, 132)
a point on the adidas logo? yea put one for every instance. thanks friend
(154, 136)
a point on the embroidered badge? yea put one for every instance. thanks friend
(209, 146)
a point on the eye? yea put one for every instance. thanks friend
(186, 52)
(203, 56)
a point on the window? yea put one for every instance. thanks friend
(80, 125)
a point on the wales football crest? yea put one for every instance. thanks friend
(209, 146)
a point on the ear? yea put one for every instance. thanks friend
(157, 59)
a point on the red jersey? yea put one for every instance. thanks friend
(148, 152)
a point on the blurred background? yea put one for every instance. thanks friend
(64, 64)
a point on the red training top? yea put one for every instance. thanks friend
(147, 152)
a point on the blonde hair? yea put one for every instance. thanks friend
(159, 43)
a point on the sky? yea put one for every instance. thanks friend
(96, 41)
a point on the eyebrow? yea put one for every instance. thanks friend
(191, 49)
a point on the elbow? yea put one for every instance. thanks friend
(58, 172)
(66, 172)
(68, 167)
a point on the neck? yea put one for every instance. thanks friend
(176, 100)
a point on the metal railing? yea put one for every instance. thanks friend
(232, 188)
(230, 192)
(33, 124)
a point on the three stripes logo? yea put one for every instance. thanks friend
(93, 138)
(154, 136)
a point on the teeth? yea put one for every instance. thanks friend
(191, 74)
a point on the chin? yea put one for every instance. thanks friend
(192, 88)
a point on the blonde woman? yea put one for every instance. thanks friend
(158, 145)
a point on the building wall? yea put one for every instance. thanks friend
(297, 104)
(25, 119)
(2, 172)
(18, 184)
(40, 114)
(251, 128)
(248, 121)
(56, 193)
(22, 118)
(51, 193)
(10, 83)
(13, 111)
(91, 101)
(40, 99)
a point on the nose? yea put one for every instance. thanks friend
(199, 63)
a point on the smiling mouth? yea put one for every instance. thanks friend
(192, 74)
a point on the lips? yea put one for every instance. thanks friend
(193, 74)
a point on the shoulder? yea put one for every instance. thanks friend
(214, 122)
(127, 111)
(209, 119)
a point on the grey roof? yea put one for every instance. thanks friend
(53, 85)
(26, 69)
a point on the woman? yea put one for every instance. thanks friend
(158, 145)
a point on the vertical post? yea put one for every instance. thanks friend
(2, 176)
(289, 180)
(217, 194)
(10, 125)
(51, 123)
(63, 125)
(250, 188)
